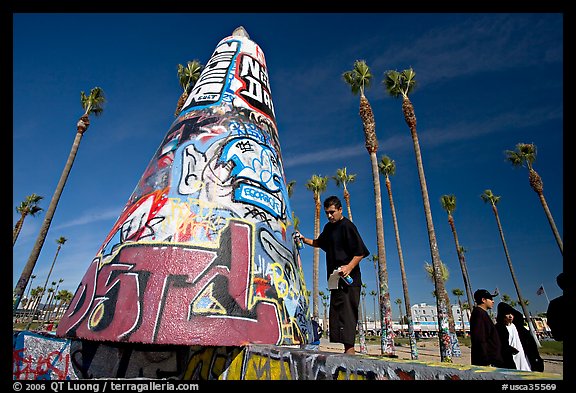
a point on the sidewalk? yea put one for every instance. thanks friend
(428, 351)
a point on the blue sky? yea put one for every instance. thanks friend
(486, 81)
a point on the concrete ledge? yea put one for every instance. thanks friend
(44, 356)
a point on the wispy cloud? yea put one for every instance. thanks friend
(492, 43)
(90, 217)
(504, 122)
(434, 137)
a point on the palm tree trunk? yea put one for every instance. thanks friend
(29, 289)
(551, 221)
(361, 331)
(180, 103)
(347, 199)
(462, 318)
(316, 259)
(18, 228)
(413, 345)
(462, 260)
(387, 337)
(31, 263)
(377, 277)
(520, 298)
(47, 278)
(442, 310)
(375, 329)
(325, 318)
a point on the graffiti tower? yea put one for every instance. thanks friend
(202, 253)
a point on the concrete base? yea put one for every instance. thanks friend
(44, 356)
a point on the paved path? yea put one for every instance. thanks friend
(428, 351)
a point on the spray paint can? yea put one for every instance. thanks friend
(298, 241)
(348, 280)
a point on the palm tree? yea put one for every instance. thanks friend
(61, 240)
(458, 293)
(343, 178)
(399, 303)
(64, 297)
(375, 259)
(290, 188)
(48, 303)
(187, 77)
(35, 297)
(296, 221)
(448, 203)
(488, 196)
(317, 184)
(466, 306)
(525, 155)
(32, 277)
(325, 297)
(387, 167)
(451, 325)
(28, 206)
(60, 281)
(363, 293)
(358, 79)
(401, 84)
(507, 299)
(362, 321)
(92, 104)
(374, 295)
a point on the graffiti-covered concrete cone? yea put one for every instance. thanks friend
(202, 253)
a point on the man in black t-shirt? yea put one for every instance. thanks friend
(344, 250)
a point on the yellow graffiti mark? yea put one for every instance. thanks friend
(210, 363)
(206, 302)
(96, 315)
(282, 286)
(235, 367)
(192, 216)
(199, 364)
(350, 375)
(263, 368)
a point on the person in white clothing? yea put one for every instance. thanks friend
(519, 349)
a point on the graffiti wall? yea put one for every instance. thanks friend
(202, 253)
(42, 357)
(36, 356)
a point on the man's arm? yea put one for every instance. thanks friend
(310, 242)
(346, 269)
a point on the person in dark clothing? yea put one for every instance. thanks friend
(557, 311)
(519, 349)
(485, 341)
(344, 249)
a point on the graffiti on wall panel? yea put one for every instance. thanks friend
(210, 363)
(39, 357)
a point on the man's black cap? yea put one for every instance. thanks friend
(483, 294)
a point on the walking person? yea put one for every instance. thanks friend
(519, 350)
(558, 311)
(344, 249)
(485, 340)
